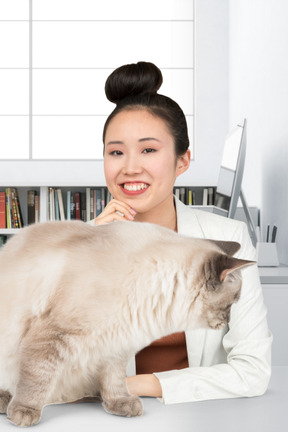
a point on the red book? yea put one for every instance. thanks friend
(2, 210)
(77, 205)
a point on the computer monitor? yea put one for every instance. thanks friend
(228, 190)
(231, 170)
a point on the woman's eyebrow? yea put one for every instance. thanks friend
(148, 139)
(115, 142)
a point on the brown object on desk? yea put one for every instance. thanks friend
(164, 354)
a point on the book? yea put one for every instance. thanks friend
(31, 214)
(2, 210)
(83, 207)
(12, 209)
(37, 208)
(205, 197)
(51, 204)
(68, 205)
(88, 210)
(61, 205)
(210, 196)
(77, 206)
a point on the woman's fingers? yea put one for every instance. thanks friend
(115, 210)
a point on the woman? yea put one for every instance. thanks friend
(145, 150)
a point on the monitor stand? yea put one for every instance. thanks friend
(250, 223)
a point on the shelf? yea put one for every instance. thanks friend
(274, 275)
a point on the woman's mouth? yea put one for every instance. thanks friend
(134, 188)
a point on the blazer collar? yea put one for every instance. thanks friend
(189, 225)
(187, 220)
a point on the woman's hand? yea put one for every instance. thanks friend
(144, 385)
(115, 211)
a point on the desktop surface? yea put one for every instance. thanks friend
(261, 414)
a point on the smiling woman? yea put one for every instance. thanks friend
(145, 147)
(145, 150)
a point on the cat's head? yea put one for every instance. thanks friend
(221, 282)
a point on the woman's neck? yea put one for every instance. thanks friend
(164, 214)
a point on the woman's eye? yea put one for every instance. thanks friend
(149, 150)
(116, 153)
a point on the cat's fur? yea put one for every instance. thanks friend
(77, 302)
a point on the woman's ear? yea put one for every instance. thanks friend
(183, 163)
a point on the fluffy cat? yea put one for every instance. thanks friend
(77, 302)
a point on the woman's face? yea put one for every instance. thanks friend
(140, 163)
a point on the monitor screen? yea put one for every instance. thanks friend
(231, 170)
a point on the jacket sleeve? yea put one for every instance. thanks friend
(247, 347)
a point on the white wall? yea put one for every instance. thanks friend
(211, 91)
(211, 115)
(259, 91)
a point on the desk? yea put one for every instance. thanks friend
(274, 281)
(274, 275)
(267, 413)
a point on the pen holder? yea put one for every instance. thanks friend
(267, 255)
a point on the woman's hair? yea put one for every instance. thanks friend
(135, 86)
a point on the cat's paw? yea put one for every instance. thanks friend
(5, 398)
(130, 406)
(22, 415)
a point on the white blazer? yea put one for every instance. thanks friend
(234, 361)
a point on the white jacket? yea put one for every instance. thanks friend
(234, 361)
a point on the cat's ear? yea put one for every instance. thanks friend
(227, 264)
(229, 247)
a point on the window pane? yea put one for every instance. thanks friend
(14, 91)
(71, 137)
(68, 137)
(112, 10)
(14, 9)
(90, 44)
(178, 84)
(14, 52)
(74, 91)
(14, 137)
(82, 91)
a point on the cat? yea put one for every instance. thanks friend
(78, 301)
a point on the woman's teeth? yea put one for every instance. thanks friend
(135, 187)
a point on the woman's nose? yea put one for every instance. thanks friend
(132, 166)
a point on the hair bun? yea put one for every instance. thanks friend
(133, 80)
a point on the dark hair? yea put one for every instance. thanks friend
(135, 86)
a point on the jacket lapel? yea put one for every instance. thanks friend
(188, 225)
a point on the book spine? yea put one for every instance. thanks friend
(98, 202)
(16, 223)
(9, 220)
(83, 207)
(68, 205)
(77, 206)
(91, 204)
(18, 209)
(72, 206)
(205, 197)
(31, 206)
(60, 203)
(88, 204)
(37, 208)
(2, 210)
(51, 204)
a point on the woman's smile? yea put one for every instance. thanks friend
(134, 188)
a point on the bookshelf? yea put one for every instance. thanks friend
(44, 204)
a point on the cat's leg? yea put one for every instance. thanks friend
(5, 398)
(116, 399)
(41, 356)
